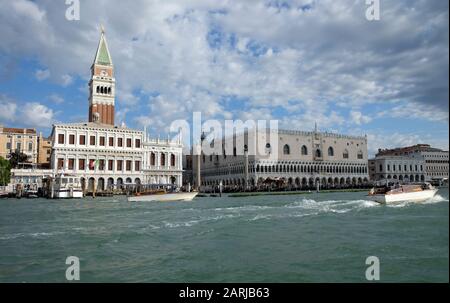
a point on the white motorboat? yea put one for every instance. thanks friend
(66, 187)
(163, 197)
(402, 193)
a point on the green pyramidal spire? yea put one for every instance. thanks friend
(103, 56)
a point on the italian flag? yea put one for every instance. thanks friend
(93, 164)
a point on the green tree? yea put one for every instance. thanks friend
(16, 158)
(5, 171)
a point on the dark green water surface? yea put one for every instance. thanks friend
(323, 237)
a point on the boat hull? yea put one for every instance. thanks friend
(419, 196)
(68, 195)
(170, 197)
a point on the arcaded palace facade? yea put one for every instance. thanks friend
(108, 156)
(292, 159)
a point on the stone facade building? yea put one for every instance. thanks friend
(163, 161)
(44, 150)
(436, 160)
(404, 169)
(102, 155)
(292, 159)
(24, 140)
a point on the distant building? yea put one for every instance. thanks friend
(44, 151)
(163, 161)
(29, 176)
(102, 155)
(188, 174)
(303, 160)
(436, 160)
(397, 168)
(24, 140)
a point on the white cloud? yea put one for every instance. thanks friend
(36, 115)
(66, 80)
(358, 118)
(42, 74)
(7, 109)
(55, 98)
(414, 110)
(31, 114)
(304, 60)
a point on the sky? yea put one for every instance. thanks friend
(300, 62)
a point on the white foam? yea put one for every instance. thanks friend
(436, 199)
(194, 222)
(32, 235)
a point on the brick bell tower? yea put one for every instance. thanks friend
(102, 85)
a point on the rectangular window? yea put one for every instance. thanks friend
(110, 164)
(71, 139)
(137, 143)
(91, 164)
(71, 164)
(81, 164)
(19, 146)
(102, 141)
(128, 165)
(128, 142)
(8, 145)
(137, 165)
(30, 146)
(60, 163)
(92, 140)
(61, 139)
(101, 164)
(82, 140)
(111, 141)
(119, 142)
(119, 164)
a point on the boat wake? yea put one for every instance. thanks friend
(298, 209)
(436, 199)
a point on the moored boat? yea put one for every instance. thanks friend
(402, 193)
(66, 187)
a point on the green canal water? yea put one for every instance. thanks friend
(323, 237)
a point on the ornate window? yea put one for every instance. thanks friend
(304, 150)
(345, 154)
(318, 153)
(330, 151)
(360, 155)
(286, 150)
